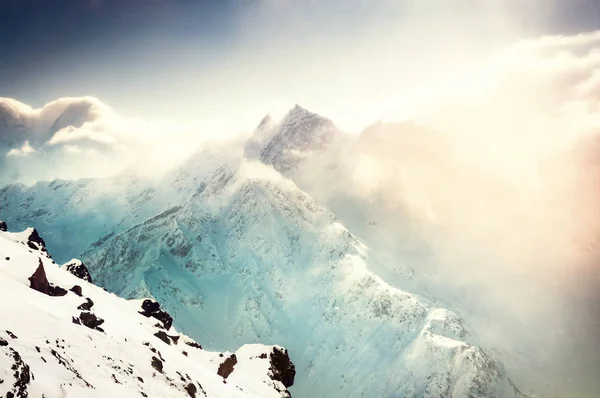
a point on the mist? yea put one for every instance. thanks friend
(490, 192)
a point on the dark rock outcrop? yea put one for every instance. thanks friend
(3, 226)
(78, 269)
(192, 343)
(166, 338)
(77, 290)
(90, 320)
(152, 309)
(87, 305)
(282, 369)
(157, 364)
(38, 281)
(226, 368)
(22, 376)
(35, 241)
(191, 390)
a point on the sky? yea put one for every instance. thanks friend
(354, 60)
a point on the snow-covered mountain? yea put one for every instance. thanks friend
(62, 336)
(239, 254)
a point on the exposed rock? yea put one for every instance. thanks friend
(3, 343)
(157, 364)
(22, 376)
(78, 269)
(192, 343)
(282, 368)
(87, 305)
(77, 290)
(152, 309)
(226, 367)
(90, 320)
(166, 338)
(38, 281)
(3, 226)
(76, 321)
(163, 336)
(35, 241)
(191, 390)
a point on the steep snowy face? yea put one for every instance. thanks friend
(76, 214)
(295, 137)
(249, 257)
(62, 336)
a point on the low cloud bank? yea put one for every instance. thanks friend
(82, 137)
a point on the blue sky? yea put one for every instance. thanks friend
(193, 59)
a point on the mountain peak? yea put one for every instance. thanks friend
(266, 122)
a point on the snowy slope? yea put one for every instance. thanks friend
(46, 351)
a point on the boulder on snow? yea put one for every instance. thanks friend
(3, 226)
(152, 309)
(77, 290)
(226, 368)
(38, 281)
(78, 269)
(90, 320)
(35, 241)
(87, 305)
(166, 338)
(282, 369)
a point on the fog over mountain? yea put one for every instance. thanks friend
(452, 252)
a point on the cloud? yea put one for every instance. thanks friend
(492, 193)
(25, 150)
(79, 137)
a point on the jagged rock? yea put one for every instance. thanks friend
(87, 305)
(157, 364)
(163, 336)
(166, 338)
(152, 309)
(226, 367)
(282, 368)
(22, 375)
(3, 226)
(35, 241)
(76, 321)
(90, 320)
(77, 290)
(192, 343)
(191, 390)
(3, 343)
(78, 269)
(38, 281)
